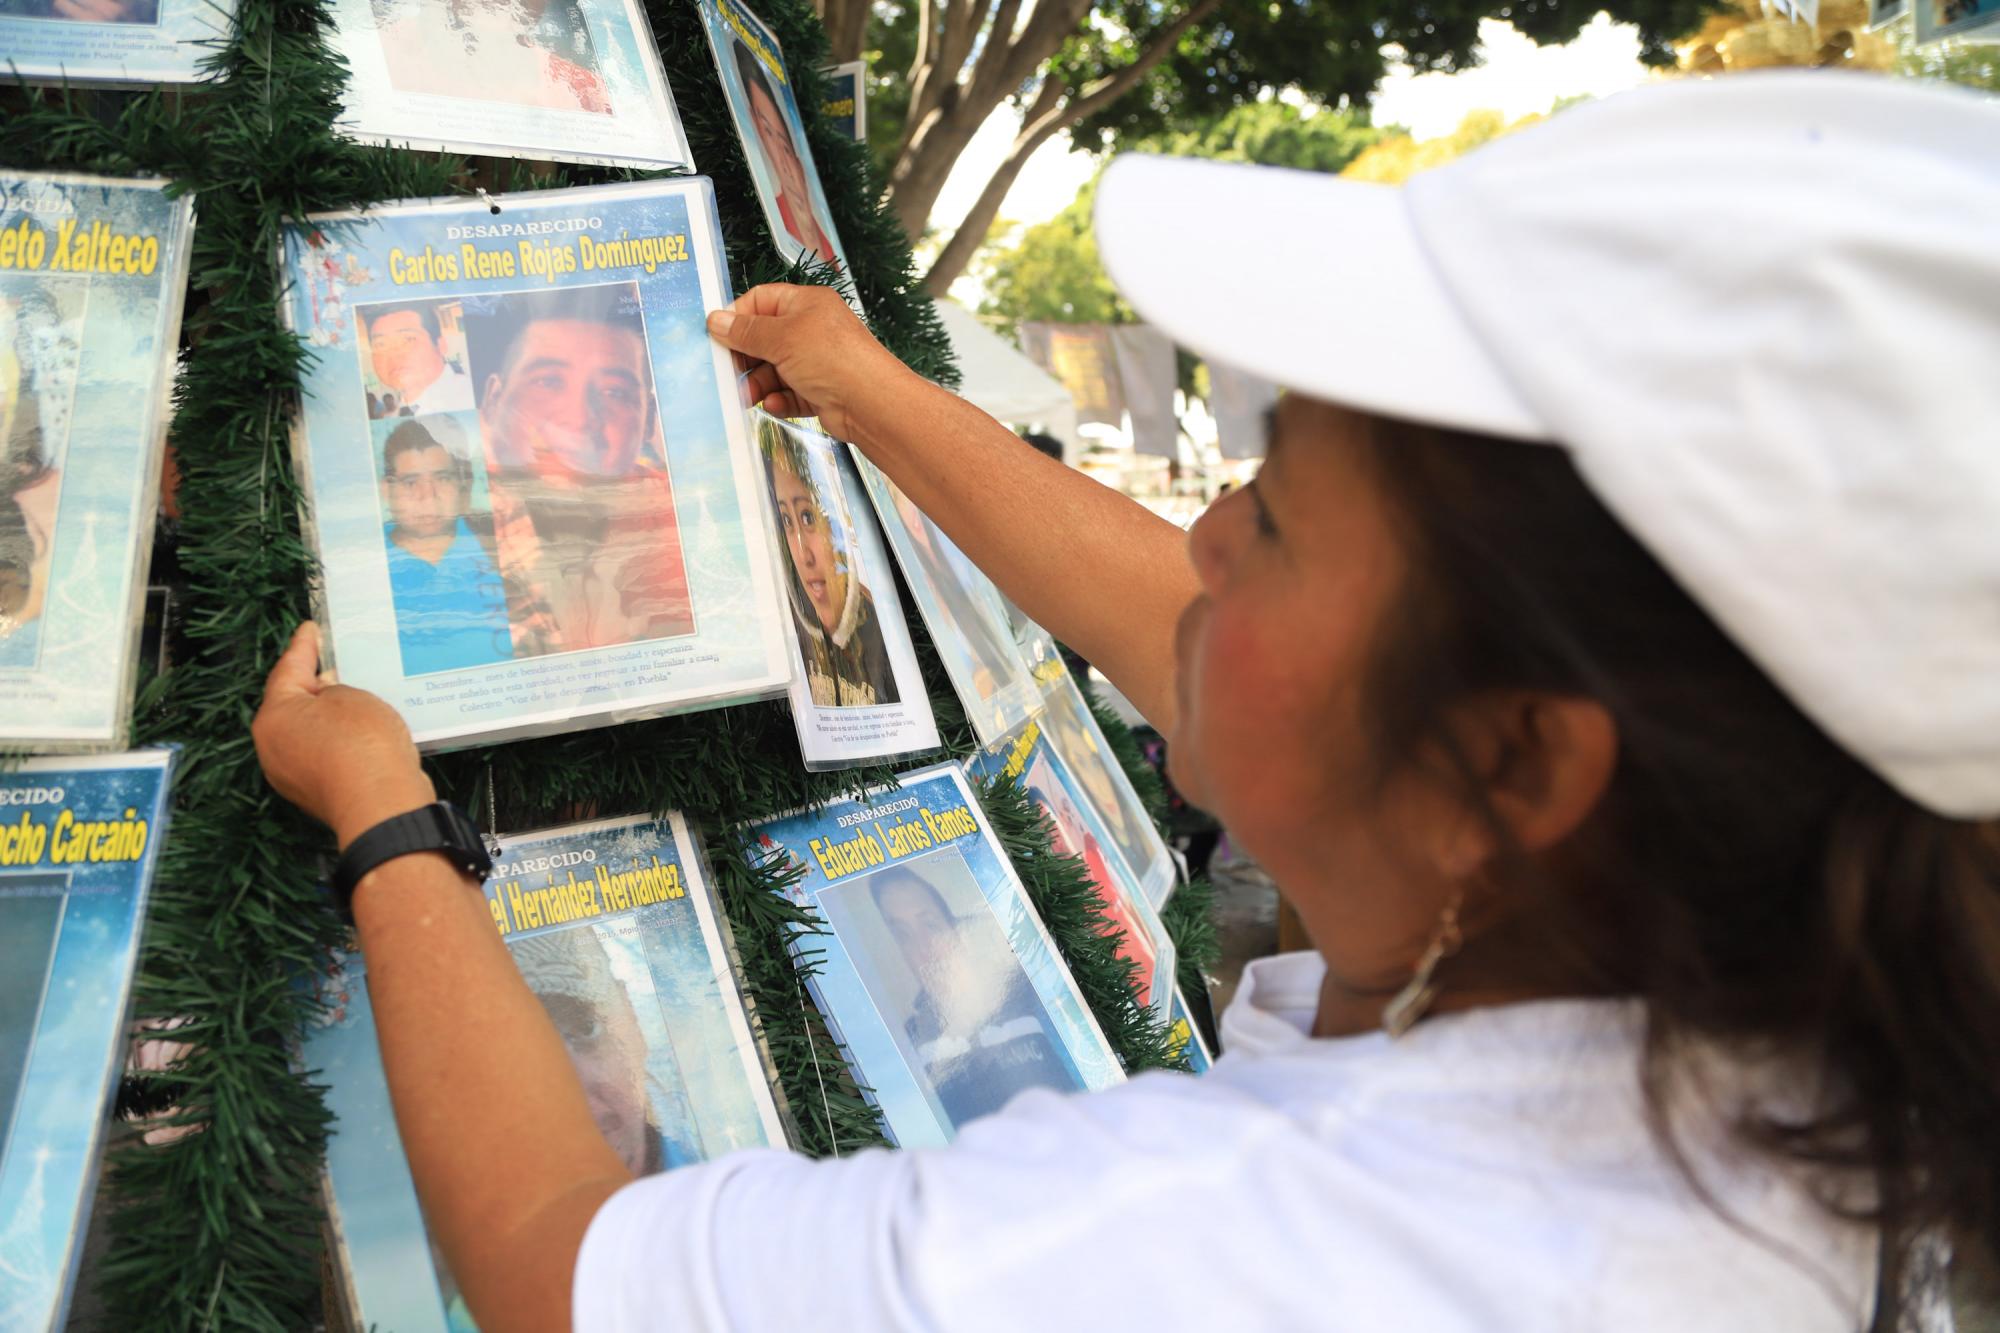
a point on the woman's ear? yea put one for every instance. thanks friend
(1542, 763)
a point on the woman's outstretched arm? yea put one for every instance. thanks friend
(1098, 570)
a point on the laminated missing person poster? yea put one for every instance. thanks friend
(1069, 725)
(92, 272)
(564, 80)
(528, 472)
(859, 695)
(934, 972)
(1963, 20)
(846, 103)
(964, 611)
(1184, 1037)
(1075, 829)
(760, 97)
(77, 852)
(129, 42)
(614, 928)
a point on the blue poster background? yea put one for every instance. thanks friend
(169, 49)
(706, 1075)
(843, 992)
(48, 1162)
(91, 353)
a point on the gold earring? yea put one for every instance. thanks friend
(1414, 1000)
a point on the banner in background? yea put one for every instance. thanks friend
(1239, 401)
(1082, 358)
(1149, 373)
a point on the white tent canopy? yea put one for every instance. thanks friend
(998, 380)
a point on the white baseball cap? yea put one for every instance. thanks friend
(1763, 314)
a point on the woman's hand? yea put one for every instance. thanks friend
(811, 357)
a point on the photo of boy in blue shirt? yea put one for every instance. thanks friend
(450, 609)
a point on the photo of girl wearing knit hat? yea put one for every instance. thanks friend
(858, 695)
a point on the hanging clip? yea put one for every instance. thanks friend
(492, 204)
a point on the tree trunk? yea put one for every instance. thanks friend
(949, 102)
(1053, 110)
(846, 26)
(923, 167)
(971, 233)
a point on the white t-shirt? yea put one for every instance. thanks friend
(1491, 1170)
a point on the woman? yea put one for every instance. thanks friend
(833, 613)
(1639, 795)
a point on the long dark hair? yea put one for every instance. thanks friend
(1746, 877)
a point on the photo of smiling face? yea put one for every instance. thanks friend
(776, 141)
(767, 118)
(404, 351)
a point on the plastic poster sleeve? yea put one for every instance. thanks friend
(528, 475)
(857, 693)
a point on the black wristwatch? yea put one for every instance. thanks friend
(439, 827)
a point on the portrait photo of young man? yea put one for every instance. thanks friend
(450, 609)
(584, 525)
(38, 365)
(409, 368)
(790, 196)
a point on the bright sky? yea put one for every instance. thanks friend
(1515, 77)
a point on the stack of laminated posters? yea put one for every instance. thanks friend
(934, 973)
(766, 111)
(1076, 830)
(613, 927)
(529, 476)
(77, 849)
(91, 276)
(571, 81)
(858, 695)
(1073, 731)
(111, 41)
(966, 615)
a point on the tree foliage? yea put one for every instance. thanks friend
(1969, 64)
(1122, 71)
(1397, 157)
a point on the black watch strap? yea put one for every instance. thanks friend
(439, 827)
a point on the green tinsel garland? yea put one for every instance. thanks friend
(222, 1229)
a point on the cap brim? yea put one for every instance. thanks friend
(1317, 284)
